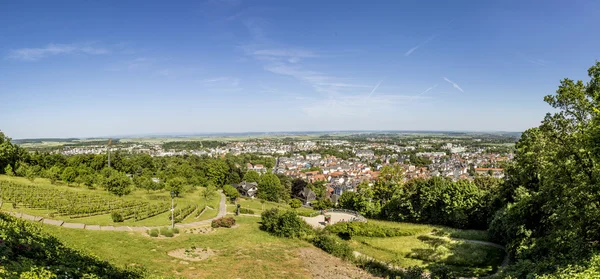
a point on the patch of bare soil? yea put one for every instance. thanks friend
(193, 255)
(202, 230)
(324, 266)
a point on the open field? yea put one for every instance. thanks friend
(153, 197)
(241, 252)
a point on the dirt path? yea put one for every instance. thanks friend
(60, 223)
(324, 266)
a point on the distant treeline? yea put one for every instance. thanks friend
(192, 145)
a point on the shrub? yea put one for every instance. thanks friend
(349, 229)
(333, 245)
(440, 271)
(295, 203)
(175, 230)
(224, 222)
(117, 217)
(166, 232)
(153, 232)
(285, 224)
(246, 211)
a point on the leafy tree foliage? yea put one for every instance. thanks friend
(298, 186)
(284, 224)
(69, 175)
(27, 252)
(552, 216)
(176, 185)
(230, 192)
(8, 152)
(270, 188)
(295, 203)
(116, 182)
(360, 201)
(440, 201)
(9, 170)
(251, 176)
(208, 193)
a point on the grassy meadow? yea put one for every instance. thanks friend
(241, 252)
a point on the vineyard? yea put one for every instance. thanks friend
(77, 205)
(184, 212)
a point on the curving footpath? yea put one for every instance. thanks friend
(60, 223)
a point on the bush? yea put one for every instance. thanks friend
(295, 203)
(349, 229)
(166, 232)
(224, 222)
(333, 245)
(117, 217)
(175, 230)
(246, 211)
(26, 251)
(284, 224)
(153, 232)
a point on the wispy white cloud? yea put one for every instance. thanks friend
(223, 84)
(290, 55)
(454, 84)
(33, 54)
(211, 80)
(413, 49)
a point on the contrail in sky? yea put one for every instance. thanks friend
(373, 91)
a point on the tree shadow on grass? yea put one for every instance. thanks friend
(458, 257)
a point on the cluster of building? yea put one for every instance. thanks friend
(304, 159)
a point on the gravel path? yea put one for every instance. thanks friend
(60, 223)
(319, 220)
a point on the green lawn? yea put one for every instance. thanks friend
(242, 252)
(105, 220)
(424, 248)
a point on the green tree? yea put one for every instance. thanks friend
(270, 188)
(144, 182)
(117, 183)
(231, 193)
(69, 175)
(53, 174)
(8, 152)
(209, 193)
(177, 185)
(551, 218)
(295, 203)
(252, 176)
(9, 170)
(30, 174)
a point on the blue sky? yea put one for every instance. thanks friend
(103, 68)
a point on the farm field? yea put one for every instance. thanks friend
(149, 208)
